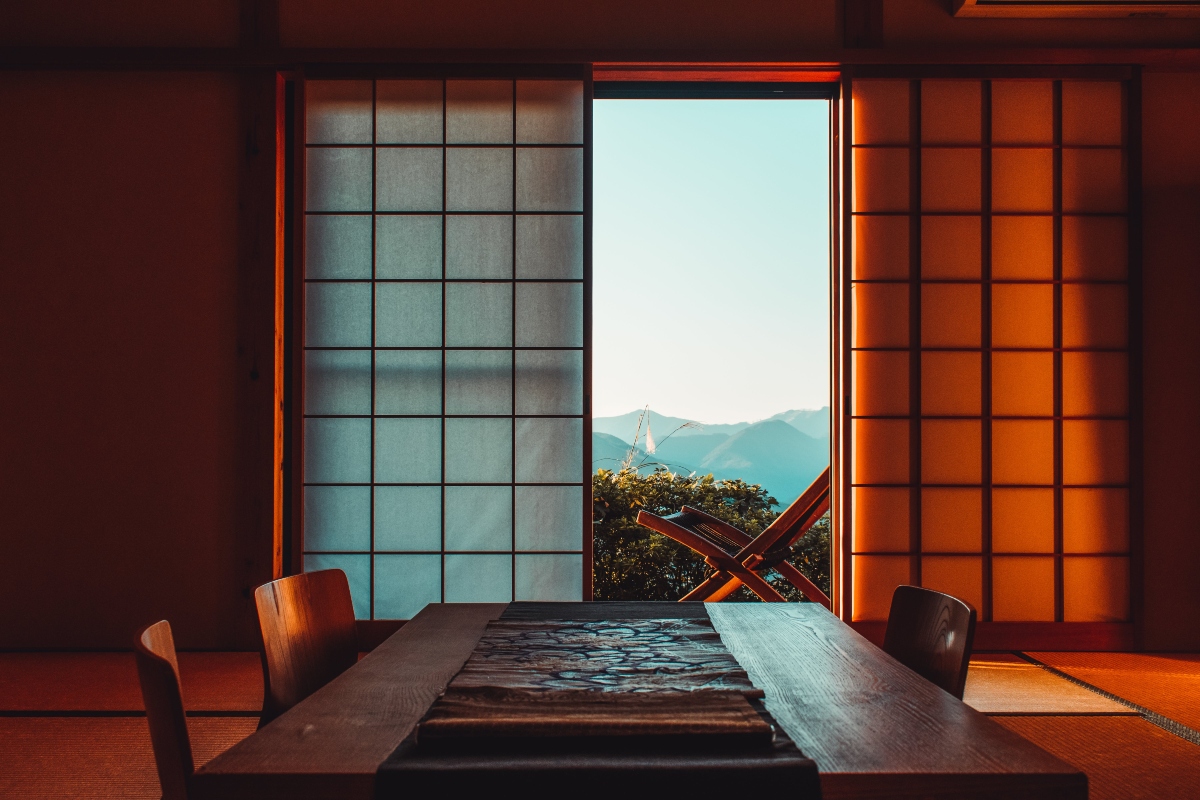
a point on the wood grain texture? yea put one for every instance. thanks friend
(158, 673)
(330, 745)
(931, 634)
(874, 727)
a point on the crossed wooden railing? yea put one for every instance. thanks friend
(736, 557)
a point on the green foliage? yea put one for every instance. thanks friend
(635, 563)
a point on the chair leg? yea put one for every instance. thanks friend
(797, 579)
(705, 589)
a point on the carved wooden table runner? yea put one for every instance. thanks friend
(654, 680)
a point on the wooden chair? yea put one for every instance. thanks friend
(158, 674)
(308, 636)
(736, 557)
(931, 633)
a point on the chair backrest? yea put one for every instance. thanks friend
(931, 633)
(158, 673)
(308, 636)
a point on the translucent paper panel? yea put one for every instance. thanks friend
(875, 580)
(880, 451)
(1022, 589)
(1022, 180)
(408, 382)
(408, 518)
(1095, 248)
(478, 579)
(408, 247)
(549, 112)
(881, 179)
(1095, 316)
(881, 248)
(951, 112)
(478, 450)
(1023, 452)
(337, 450)
(358, 574)
(549, 577)
(337, 247)
(950, 179)
(1022, 248)
(1095, 452)
(337, 518)
(549, 517)
(880, 314)
(549, 315)
(408, 314)
(951, 520)
(881, 112)
(550, 179)
(950, 384)
(549, 450)
(1023, 520)
(1092, 112)
(549, 382)
(950, 451)
(479, 246)
(950, 315)
(338, 179)
(1095, 384)
(337, 315)
(1022, 112)
(950, 247)
(958, 576)
(408, 450)
(1022, 315)
(549, 246)
(479, 382)
(337, 382)
(479, 314)
(479, 517)
(1023, 384)
(337, 112)
(1095, 520)
(404, 584)
(479, 112)
(881, 519)
(1093, 180)
(408, 112)
(1095, 589)
(479, 179)
(880, 383)
(408, 179)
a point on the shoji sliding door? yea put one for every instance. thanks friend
(445, 339)
(989, 375)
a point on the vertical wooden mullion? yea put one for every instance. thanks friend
(296, 319)
(914, 332)
(588, 551)
(1058, 373)
(371, 489)
(985, 222)
(442, 475)
(843, 321)
(1133, 151)
(512, 384)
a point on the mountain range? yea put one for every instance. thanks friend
(783, 453)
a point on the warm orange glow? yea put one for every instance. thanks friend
(951, 520)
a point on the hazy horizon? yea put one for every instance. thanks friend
(710, 257)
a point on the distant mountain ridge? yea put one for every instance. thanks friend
(777, 453)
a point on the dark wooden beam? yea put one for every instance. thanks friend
(862, 23)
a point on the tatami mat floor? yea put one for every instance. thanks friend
(71, 723)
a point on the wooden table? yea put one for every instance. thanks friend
(874, 728)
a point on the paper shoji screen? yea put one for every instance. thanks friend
(443, 339)
(990, 363)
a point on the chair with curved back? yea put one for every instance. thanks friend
(931, 633)
(308, 636)
(158, 674)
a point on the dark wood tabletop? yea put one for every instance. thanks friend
(874, 728)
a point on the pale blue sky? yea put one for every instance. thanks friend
(710, 257)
